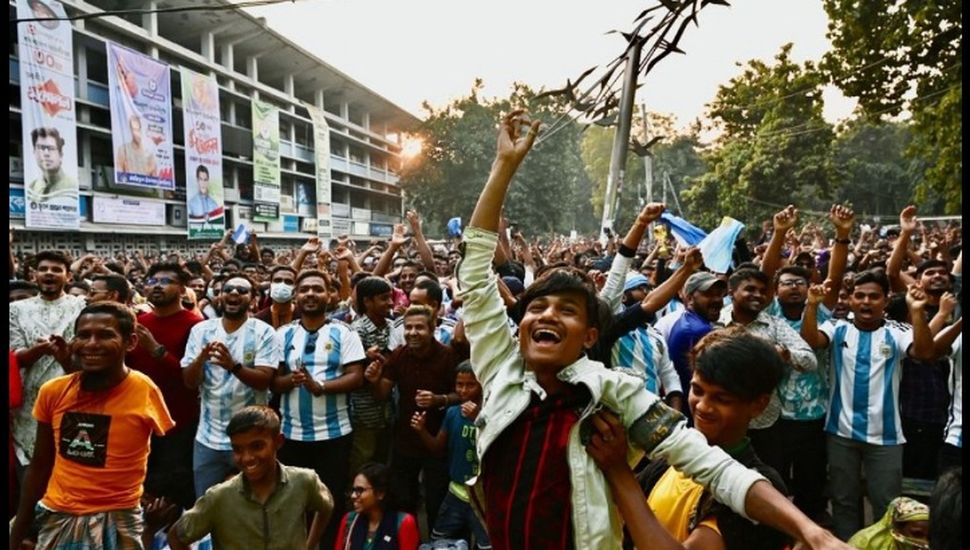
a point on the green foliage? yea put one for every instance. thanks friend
(773, 149)
(881, 52)
(550, 192)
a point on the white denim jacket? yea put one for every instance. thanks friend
(652, 426)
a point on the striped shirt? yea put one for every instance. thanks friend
(645, 351)
(804, 395)
(222, 393)
(443, 333)
(324, 353)
(867, 366)
(365, 411)
(954, 425)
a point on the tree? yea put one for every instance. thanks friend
(881, 53)
(550, 192)
(773, 149)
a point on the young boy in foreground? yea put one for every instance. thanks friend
(265, 505)
(538, 488)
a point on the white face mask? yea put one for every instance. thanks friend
(280, 292)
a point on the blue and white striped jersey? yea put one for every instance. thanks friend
(645, 351)
(324, 354)
(222, 393)
(866, 369)
(954, 425)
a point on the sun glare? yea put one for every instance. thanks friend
(412, 147)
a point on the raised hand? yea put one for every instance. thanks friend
(398, 238)
(373, 372)
(786, 218)
(907, 219)
(312, 245)
(693, 258)
(414, 220)
(424, 399)
(513, 145)
(948, 303)
(842, 217)
(469, 409)
(916, 299)
(219, 355)
(816, 294)
(651, 212)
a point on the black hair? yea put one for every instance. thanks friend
(746, 273)
(429, 274)
(511, 269)
(17, 284)
(465, 367)
(946, 507)
(379, 477)
(558, 281)
(358, 277)
(745, 365)
(929, 264)
(258, 417)
(432, 288)
(408, 262)
(368, 287)
(121, 313)
(43, 132)
(267, 250)
(83, 285)
(116, 283)
(194, 267)
(281, 268)
(896, 308)
(169, 267)
(877, 276)
(307, 273)
(52, 256)
(793, 270)
(254, 288)
(201, 169)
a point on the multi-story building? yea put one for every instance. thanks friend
(249, 60)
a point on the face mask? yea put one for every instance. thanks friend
(280, 292)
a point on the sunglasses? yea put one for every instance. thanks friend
(238, 289)
(357, 491)
(163, 281)
(793, 282)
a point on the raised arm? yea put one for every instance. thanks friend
(424, 251)
(894, 267)
(809, 331)
(782, 221)
(311, 246)
(398, 239)
(922, 347)
(613, 288)
(659, 296)
(512, 148)
(842, 218)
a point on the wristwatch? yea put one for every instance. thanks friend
(236, 368)
(159, 352)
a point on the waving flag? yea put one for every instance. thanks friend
(685, 232)
(454, 227)
(718, 246)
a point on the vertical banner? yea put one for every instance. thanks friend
(203, 156)
(266, 162)
(141, 119)
(48, 118)
(321, 158)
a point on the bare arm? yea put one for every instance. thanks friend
(922, 347)
(894, 267)
(842, 218)
(397, 241)
(435, 443)
(782, 221)
(311, 246)
(661, 295)
(809, 331)
(35, 483)
(424, 251)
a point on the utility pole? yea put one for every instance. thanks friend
(648, 159)
(621, 140)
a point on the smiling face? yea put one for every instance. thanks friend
(51, 277)
(935, 280)
(379, 306)
(750, 297)
(99, 345)
(312, 296)
(254, 453)
(555, 330)
(467, 387)
(708, 303)
(721, 416)
(408, 277)
(363, 495)
(235, 297)
(417, 332)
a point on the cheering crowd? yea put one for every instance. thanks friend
(494, 391)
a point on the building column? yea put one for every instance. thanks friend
(229, 63)
(209, 46)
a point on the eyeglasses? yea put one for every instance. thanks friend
(793, 282)
(357, 491)
(238, 289)
(164, 281)
(46, 148)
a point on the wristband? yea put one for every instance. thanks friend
(843, 241)
(238, 367)
(159, 352)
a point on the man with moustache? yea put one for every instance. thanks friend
(322, 362)
(232, 359)
(162, 336)
(92, 442)
(39, 330)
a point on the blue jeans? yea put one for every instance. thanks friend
(884, 480)
(209, 467)
(455, 519)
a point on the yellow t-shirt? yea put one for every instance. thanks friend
(673, 499)
(101, 441)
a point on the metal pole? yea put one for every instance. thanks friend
(621, 139)
(648, 159)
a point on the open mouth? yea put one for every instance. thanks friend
(546, 336)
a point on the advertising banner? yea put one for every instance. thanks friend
(321, 158)
(141, 119)
(130, 211)
(48, 117)
(266, 161)
(205, 200)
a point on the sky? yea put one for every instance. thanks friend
(411, 51)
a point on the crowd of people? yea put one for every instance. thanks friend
(495, 390)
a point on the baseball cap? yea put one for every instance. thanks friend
(634, 280)
(702, 281)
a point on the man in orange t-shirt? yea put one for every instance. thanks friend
(94, 431)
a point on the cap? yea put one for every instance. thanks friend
(514, 285)
(702, 281)
(634, 280)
